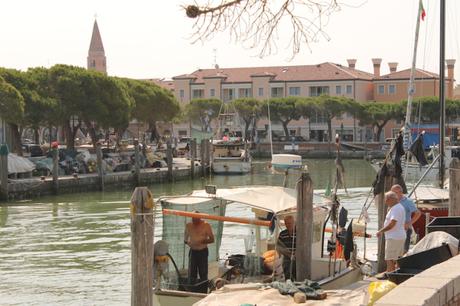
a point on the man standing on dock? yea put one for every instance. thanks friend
(198, 234)
(411, 213)
(395, 234)
(286, 247)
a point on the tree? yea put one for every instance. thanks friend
(152, 104)
(257, 22)
(378, 114)
(248, 109)
(12, 103)
(332, 107)
(283, 110)
(307, 108)
(203, 111)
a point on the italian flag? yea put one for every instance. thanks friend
(422, 11)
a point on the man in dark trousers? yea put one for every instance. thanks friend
(286, 247)
(198, 234)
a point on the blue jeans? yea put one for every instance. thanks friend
(407, 242)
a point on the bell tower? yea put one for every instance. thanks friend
(96, 55)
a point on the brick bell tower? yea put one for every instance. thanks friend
(96, 55)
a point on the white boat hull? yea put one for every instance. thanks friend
(286, 161)
(229, 165)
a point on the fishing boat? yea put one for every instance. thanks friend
(230, 154)
(268, 205)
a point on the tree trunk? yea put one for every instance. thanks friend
(154, 135)
(16, 141)
(36, 136)
(246, 129)
(69, 136)
(329, 136)
(285, 127)
(92, 133)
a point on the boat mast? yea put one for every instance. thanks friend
(442, 98)
(411, 92)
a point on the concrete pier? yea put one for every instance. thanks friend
(438, 285)
(34, 187)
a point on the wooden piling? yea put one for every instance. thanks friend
(137, 164)
(100, 170)
(208, 157)
(381, 214)
(4, 172)
(192, 157)
(304, 227)
(454, 187)
(169, 160)
(55, 153)
(142, 228)
(203, 157)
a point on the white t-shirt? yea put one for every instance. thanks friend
(396, 213)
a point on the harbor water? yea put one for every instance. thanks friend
(74, 249)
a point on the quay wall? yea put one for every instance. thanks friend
(436, 286)
(35, 187)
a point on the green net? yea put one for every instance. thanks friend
(174, 227)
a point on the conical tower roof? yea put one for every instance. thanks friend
(96, 40)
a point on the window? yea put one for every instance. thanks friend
(381, 89)
(349, 89)
(212, 92)
(229, 94)
(244, 92)
(294, 91)
(181, 93)
(261, 91)
(338, 90)
(182, 133)
(197, 93)
(318, 117)
(277, 92)
(391, 89)
(319, 90)
(93, 63)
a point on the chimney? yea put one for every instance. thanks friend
(351, 63)
(450, 77)
(393, 67)
(376, 62)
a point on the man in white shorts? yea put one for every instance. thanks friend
(395, 234)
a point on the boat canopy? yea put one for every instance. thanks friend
(269, 198)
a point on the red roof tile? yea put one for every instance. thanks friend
(405, 75)
(167, 84)
(321, 72)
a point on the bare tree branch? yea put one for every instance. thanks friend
(256, 22)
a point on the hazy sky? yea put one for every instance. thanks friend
(150, 38)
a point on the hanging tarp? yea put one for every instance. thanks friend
(417, 150)
(18, 164)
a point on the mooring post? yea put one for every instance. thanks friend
(304, 227)
(454, 187)
(100, 171)
(4, 172)
(169, 159)
(55, 152)
(208, 157)
(203, 157)
(137, 164)
(142, 228)
(381, 214)
(192, 157)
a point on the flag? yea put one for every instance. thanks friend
(422, 11)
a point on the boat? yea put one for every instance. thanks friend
(286, 161)
(267, 204)
(230, 154)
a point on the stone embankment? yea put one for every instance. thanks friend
(436, 286)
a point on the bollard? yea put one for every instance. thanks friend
(203, 157)
(4, 172)
(55, 168)
(381, 214)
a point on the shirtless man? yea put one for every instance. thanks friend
(198, 234)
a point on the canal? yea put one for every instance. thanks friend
(74, 249)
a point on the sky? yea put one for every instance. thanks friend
(151, 38)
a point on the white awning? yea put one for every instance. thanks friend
(269, 198)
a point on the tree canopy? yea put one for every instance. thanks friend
(203, 111)
(249, 110)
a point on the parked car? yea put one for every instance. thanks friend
(31, 150)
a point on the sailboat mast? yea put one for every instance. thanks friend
(442, 97)
(411, 92)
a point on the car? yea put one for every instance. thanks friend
(32, 150)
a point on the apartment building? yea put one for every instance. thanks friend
(312, 80)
